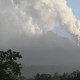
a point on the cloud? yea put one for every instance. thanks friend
(47, 15)
(38, 17)
(25, 26)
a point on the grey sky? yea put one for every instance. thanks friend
(49, 49)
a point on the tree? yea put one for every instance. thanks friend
(42, 77)
(37, 77)
(9, 67)
(56, 76)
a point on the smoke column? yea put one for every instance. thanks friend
(36, 17)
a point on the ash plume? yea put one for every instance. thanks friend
(37, 17)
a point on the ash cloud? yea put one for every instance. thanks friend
(31, 17)
(25, 23)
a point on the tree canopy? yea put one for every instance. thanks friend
(65, 76)
(10, 69)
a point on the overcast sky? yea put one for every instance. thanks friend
(46, 32)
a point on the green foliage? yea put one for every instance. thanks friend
(9, 68)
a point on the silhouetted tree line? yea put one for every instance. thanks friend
(65, 76)
(10, 69)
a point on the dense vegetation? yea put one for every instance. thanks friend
(65, 76)
(9, 67)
